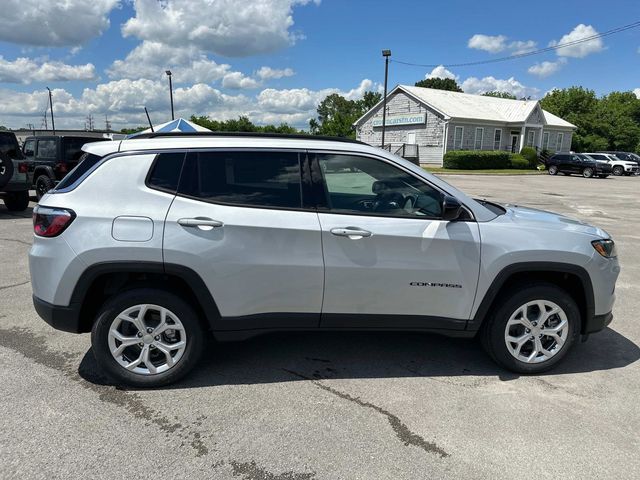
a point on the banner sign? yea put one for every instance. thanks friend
(406, 119)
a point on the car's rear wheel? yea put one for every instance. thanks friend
(43, 185)
(553, 170)
(587, 172)
(17, 201)
(147, 338)
(532, 329)
(618, 171)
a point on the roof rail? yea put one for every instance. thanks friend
(298, 136)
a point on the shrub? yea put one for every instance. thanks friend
(476, 159)
(519, 162)
(531, 155)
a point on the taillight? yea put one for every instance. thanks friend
(61, 167)
(50, 221)
(22, 167)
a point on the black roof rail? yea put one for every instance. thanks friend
(296, 136)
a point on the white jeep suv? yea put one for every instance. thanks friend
(154, 243)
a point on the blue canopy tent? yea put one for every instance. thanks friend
(177, 125)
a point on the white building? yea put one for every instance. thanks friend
(423, 124)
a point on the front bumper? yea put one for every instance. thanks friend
(66, 319)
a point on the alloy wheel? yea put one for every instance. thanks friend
(147, 339)
(536, 331)
(587, 172)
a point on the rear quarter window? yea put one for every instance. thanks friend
(86, 162)
(165, 172)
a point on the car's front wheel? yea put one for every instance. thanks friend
(147, 338)
(532, 329)
(587, 172)
(618, 171)
(17, 201)
(553, 170)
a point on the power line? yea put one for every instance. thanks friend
(526, 54)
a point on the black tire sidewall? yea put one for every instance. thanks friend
(194, 331)
(46, 180)
(17, 201)
(553, 170)
(7, 163)
(493, 334)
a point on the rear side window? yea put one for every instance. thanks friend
(253, 178)
(85, 163)
(165, 172)
(46, 149)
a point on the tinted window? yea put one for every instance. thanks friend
(165, 173)
(86, 162)
(30, 148)
(362, 185)
(600, 157)
(46, 149)
(73, 148)
(265, 179)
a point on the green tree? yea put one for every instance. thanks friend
(336, 114)
(499, 94)
(440, 84)
(241, 124)
(131, 130)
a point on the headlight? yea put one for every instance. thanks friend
(606, 248)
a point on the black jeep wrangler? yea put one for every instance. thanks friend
(14, 186)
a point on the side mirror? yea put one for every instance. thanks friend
(451, 208)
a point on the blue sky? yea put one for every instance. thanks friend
(274, 60)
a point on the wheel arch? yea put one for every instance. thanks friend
(43, 170)
(572, 278)
(101, 281)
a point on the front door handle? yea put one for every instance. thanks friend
(352, 232)
(202, 223)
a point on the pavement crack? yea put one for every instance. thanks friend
(28, 244)
(401, 430)
(34, 347)
(14, 285)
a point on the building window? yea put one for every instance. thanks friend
(545, 140)
(497, 139)
(477, 145)
(531, 135)
(457, 138)
(559, 142)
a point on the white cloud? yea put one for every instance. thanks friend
(579, 50)
(488, 43)
(267, 73)
(441, 72)
(476, 85)
(546, 68)
(223, 27)
(637, 92)
(520, 46)
(26, 70)
(54, 23)
(235, 80)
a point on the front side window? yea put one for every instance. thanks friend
(248, 178)
(366, 186)
(46, 149)
(478, 140)
(457, 138)
(497, 139)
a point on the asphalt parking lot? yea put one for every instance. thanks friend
(334, 406)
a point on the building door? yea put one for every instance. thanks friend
(514, 143)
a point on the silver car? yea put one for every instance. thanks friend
(155, 243)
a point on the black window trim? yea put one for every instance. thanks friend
(392, 164)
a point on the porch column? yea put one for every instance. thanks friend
(522, 139)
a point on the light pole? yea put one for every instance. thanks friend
(386, 54)
(53, 124)
(168, 72)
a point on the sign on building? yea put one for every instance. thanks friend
(406, 119)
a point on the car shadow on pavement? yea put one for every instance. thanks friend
(6, 214)
(286, 357)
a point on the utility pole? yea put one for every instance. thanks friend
(53, 123)
(88, 124)
(168, 72)
(386, 54)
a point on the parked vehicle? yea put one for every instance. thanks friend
(628, 156)
(14, 188)
(241, 235)
(620, 167)
(573, 163)
(51, 157)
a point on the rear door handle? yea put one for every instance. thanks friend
(351, 232)
(200, 222)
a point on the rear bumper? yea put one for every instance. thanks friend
(597, 323)
(66, 319)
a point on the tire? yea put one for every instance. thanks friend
(43, 185)
(188, 329)
(17, 201)
(587, 172)
(6, 169)
(494, 329)
(618, 171)
(553, 170)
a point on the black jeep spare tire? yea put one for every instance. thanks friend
(6, 169)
